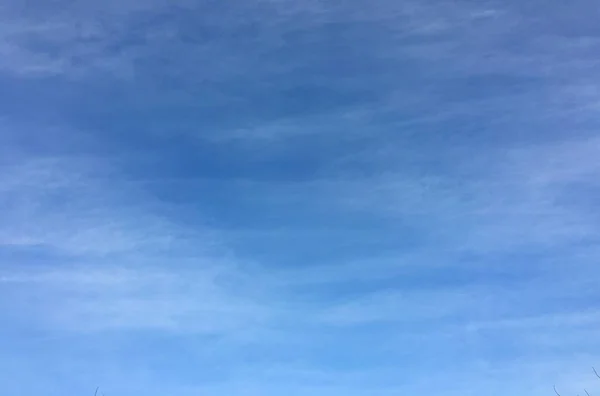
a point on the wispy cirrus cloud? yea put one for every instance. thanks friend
(298, 197)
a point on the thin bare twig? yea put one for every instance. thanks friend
(586, 392)
(96, 393)
(595, 372)
(555, 391)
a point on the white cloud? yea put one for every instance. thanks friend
(86, 298)
(79, 206)
(112, 260)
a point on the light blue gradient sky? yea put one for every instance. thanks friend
(311, 197)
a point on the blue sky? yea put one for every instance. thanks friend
(271, 197)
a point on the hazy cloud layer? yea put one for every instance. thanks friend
(301, 197)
